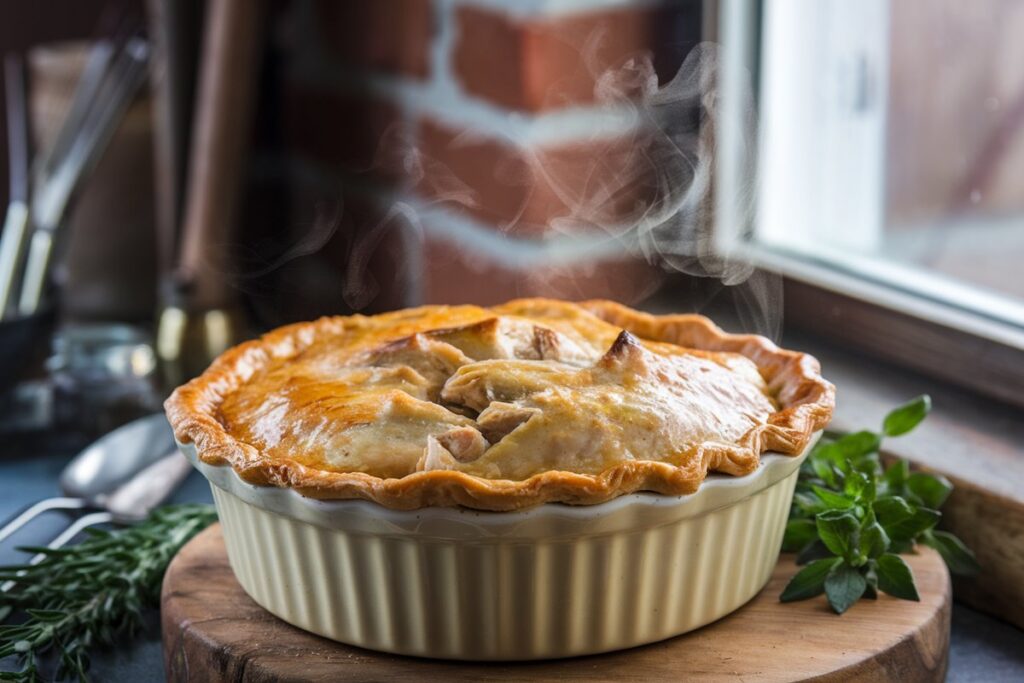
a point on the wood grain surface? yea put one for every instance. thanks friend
(212, 631)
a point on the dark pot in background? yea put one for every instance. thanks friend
(24, 343)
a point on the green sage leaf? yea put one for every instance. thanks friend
(895, 577)
(844, 586)
(958, 557)
(892, 509)
(854, 517)
(896, 475)
(871, 576)
(831, 499)
(809, 581)
(909, 528)
(838, 531)
(860, 485)
(825, 471)
(857, 444)
(904, 418)
(932, 489)
(873, 540)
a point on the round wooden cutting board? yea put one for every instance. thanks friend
(213, 631)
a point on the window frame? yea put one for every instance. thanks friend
(952, 332)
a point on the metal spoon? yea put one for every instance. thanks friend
(136, 498)
(133, 500)
(101, 468)
(130, 502)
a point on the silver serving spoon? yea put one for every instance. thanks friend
(101, 468)
(130, 502)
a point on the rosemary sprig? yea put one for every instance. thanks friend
(88, 594)
(851, 518)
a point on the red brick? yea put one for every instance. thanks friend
(538, 64)
(457, 275)
(599, 184)
(371, 259)
(387, 35)
(354, 131)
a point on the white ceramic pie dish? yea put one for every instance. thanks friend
(551, 581)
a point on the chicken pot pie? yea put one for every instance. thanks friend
(500, 408)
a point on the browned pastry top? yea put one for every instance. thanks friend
(501, 408)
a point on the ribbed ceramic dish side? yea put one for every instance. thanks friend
(448, 595)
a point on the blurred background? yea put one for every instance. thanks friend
(842, 177)
(185, 174)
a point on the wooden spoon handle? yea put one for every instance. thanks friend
(223, 117)
(174, 28)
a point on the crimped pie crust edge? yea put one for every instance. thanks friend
(806, 400)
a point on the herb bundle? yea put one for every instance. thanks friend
(851, 518)
(89, 594)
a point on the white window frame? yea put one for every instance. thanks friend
(779, 47)
(947, 329)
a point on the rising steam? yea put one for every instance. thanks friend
(647, 193)
(663, 178)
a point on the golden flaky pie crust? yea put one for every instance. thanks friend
(793, 379)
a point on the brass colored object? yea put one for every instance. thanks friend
(188, 341)
(201, 318)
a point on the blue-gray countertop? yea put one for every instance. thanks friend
(983, 649)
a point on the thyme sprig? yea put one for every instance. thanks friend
(851, 518)
(89, 594)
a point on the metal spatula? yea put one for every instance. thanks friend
(51, 198)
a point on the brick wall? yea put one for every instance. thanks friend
(481, 149)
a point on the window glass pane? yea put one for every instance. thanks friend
(892, 143)
(955, 131)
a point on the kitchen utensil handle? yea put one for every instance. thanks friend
(18, 134)
(101, 55)
(223, 116)
(79, 525)
(135, 499)
(23, 518)
(51, 203)
(174, 29)
(16, 222)
(76, 528)
(12, 247)
(37, 265)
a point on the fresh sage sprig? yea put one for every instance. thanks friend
(851, 518)
(89, 594)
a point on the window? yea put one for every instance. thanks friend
(886, 164)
